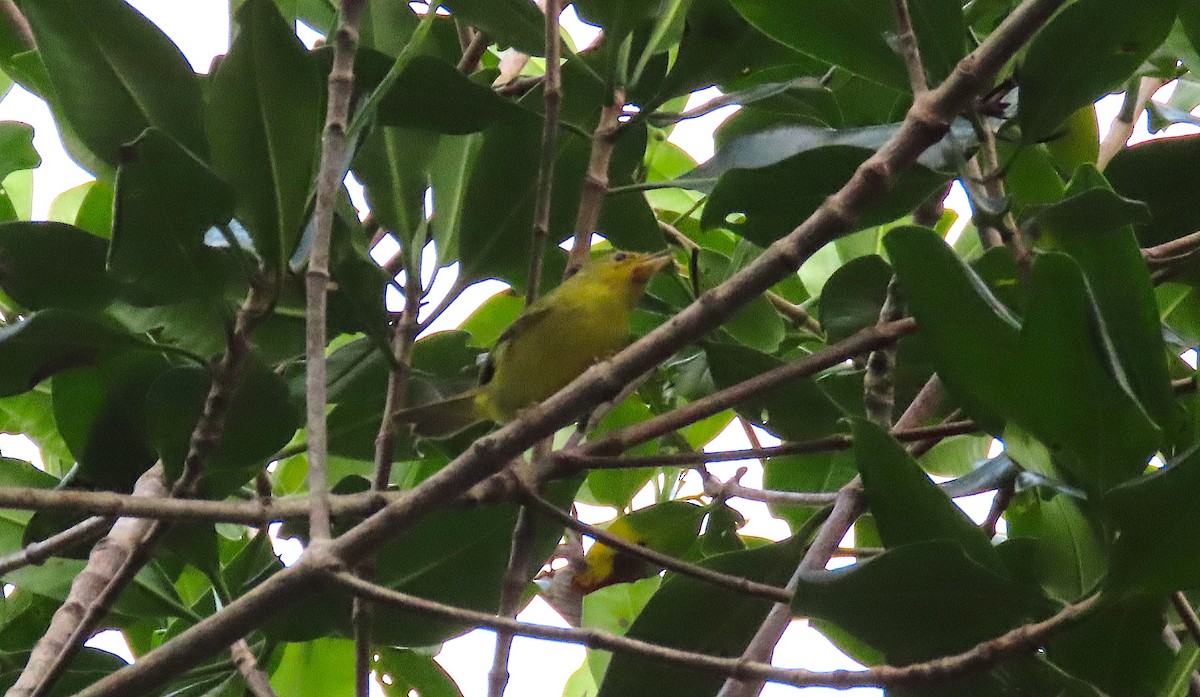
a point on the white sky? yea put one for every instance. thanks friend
(539, 669)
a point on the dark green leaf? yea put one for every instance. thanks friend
(115, 74)
(16, 148)
(393, 166)
(757, 325)
(52, 341)
(670, 619)
(101, 413)
(1157, 542)
(1090, 48)
(853, 296)
(54, 265)
(264, 123)
(431, 94)
(88, 666)
(1160, 173)
(919, 601)
(1067, 557)
(166, 200)
(907, 506)
(1131, 630)
(513, 23)
(1089, 226)
(821, 472)
(841, 32)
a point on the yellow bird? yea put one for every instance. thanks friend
(581, 322)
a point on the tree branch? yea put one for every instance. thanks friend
(39, 552)
(908, 48)
(927, 122)
(1122, 126)
(316, 278)
(552, 89)
(1023, 639)
(595, 183)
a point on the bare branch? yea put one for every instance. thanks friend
(316, 278)
(38, 552)
(879, 383)
(473, 53)
(906, 40)
(1022, 640)
(595, 183)
(552, 88)
(516, 579)
(1122, 126)
(246, 664)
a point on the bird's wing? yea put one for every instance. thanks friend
(525, 322)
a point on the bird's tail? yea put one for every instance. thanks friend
(445, 418)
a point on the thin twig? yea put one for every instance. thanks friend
(1122, 126)
(879, 382)
(927, 121)
(516, 580)
(474, 53)
(316, 278)
(39, 552)
(245, 662)
(595, 183)
(906, 40)
(552, 91)
(735, 583)
(1022, 640)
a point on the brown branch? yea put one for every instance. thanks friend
(474, 53)
(927, 122)
(1122, 126)
(245, 662)
(595, 183)
(879, 382)
(865, 340)
(734, 583)
(1184, 608)
(1022, 640)
(316, 278)
(516, 580)
(552, 90)
(16, 19)
(39, 552)
(906, 40)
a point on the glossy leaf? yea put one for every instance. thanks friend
(48, 265)
(1055, 81)
(920, 601)
(393, 168)
(52, 341)
(853, 295)
(166, 202)
(264, 122)
(116, 74)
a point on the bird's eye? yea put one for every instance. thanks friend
(620, 256)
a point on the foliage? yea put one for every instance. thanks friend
(1066, 344)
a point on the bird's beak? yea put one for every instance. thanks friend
(651, 265)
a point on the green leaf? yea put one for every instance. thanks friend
(431, 94)
(907, 506)
(101, 413)
(751, 174)
(509, 22)
(796, 409)
(670, 619)
(756, 325)
(264, 123)
(966, 325)
(853, 295)
(1138, 173)
(919, 601)
(260, 421)
(1068, 555)
(320, 668)
(1158, 539)
(1131, 630)
(847, 34)
(46, 265)
(116, 74)
(51, 341)
(616, 487)
(393, 166)
(31, 414)
(1090, 228)
(403, 672)
(1090, 48)
(449, 172)
(166, 200)
(86, 668)
(16, 148)
(821, 472)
